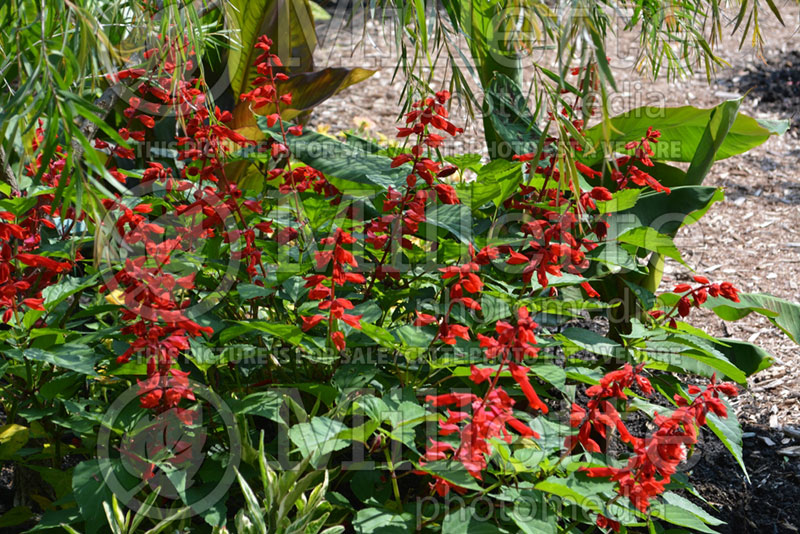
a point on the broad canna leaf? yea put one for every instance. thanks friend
(782, 313)
(719, 125)
(746, 356)
(649, 239)
(688, 133)
(729, 432)
(666, 213)
(514, 128)
(347, 166)
(675, 354)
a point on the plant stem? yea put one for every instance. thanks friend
(395, 486)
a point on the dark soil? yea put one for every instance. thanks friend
(769, 503)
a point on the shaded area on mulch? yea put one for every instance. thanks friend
(775, 83)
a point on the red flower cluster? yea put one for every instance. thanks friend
(264, 91)
(265, 96)
(489, 418)
(428, 112)
(568, 201)
(23, 272)
(207, 144)
(695, 297)
(153, 307)
(43, 214)
(336, 308)
(409, 206)
(207, 140)
(163, 390)
(642, 152)
(412, 204)
(467, 281)
(559, 239)
(656, 457)
(512, 344)
(155, 299)
(23, 275)
(551, 249)
(494, 412)
(601, 414)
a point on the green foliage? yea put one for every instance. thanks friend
(510, 126)
(688, 134)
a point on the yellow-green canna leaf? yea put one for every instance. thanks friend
(12, 438)
(308, 89)
(290, 25)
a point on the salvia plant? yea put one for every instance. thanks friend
(237, 324)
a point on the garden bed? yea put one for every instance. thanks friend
(421, 332)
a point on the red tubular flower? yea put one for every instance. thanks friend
(727, 290)
(338, 340)
(44, 262)
(656, 458)
(587, 171)
(311, 322)
(442, 487)
(601, 193)
(446, 194)
(400, 159)
(337, 258)
(24, 273)
(480, 375)
(684, 306)
(449, 332)
(604, 522)
(520, 375)
(590, 292)
(459, 399)
(601, 414)
(423, 319)
(492, 415)
(489, 418)
(642, 152)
